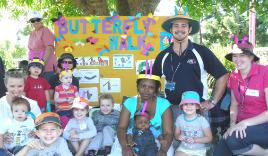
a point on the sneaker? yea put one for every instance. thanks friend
(107, 149)
(91, 153)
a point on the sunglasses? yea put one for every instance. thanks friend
(68, 62)
(35, 20)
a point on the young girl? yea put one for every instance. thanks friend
(36, 87)
(64, 96)
(81, 128)
(191, 128)
(20, 126)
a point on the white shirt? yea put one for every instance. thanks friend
(6, 113)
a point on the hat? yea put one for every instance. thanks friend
(80, 103)
(47, 117)
(193, 23)
(36, 62)
(240, 50)
(190, 97)
(64, 56)
(34, 14)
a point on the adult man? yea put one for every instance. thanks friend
(185, 65)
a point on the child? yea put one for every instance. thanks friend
(80, 129)
(106, 120)
(20, 127)
(142, 139)
(192, 129)
(48, 129)
(64, 96)
(36, 87)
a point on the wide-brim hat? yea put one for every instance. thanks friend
(237, 50)
(190, 97)
(66, 56)
(34, 15)
(193, 23)
(47, 117)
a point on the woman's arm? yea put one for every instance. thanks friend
(122, 126)
(233, 110)
(177, 133)
(1, 140)
(167, 125)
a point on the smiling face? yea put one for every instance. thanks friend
(68, 62)
(19, 112)
(106, 106)
(147, 89)
(14, 86)
(80, 113)
(242, 61)
(48, 133)
(180, 30)
(189, 108)
(66, 80)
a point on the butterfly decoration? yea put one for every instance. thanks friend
(60, 20)
(58, 39)
(150, 34)
(126, 29)
(92, 40)
(133, 18)
(90, 18)
(244, 43)
(113, 17)
(68, 48)
(150, 15)
(147, 48)
(103, 50)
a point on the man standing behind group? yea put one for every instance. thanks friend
(185, 65)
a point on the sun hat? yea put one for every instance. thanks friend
(81, 103)
(181, 16)
(47, 117)
(34, 15)
(190, 97)
(241, 47)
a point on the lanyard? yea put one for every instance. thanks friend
(242, 94)
(171, 59)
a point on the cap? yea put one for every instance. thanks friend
(34, 14)
(47, 117)
(190, 97)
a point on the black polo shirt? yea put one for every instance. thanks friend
(196, 62)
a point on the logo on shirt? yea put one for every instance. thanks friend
(191, 61)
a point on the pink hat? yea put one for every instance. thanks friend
(190, 97)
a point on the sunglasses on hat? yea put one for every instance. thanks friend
(35, 20)
(68, 62)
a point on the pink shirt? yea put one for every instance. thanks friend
(38, 41)
(251, 89)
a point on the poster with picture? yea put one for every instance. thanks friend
(123, 61)
(94, 61)
(90, 93)
(86, 76)
(110, 85)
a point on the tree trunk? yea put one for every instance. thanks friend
(132, 7)
(93, 7)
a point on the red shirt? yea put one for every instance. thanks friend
(250, 90)
(38, 41)
(35, 89)
(65, 93)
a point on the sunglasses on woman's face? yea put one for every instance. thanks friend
(35, 20)
(68, 62)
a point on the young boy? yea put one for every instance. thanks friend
(37, 87)
(48, 129)
(81, 128)
(142, 139)
(191, 129)
(20, 127)
(106, 120)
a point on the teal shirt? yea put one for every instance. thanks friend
(156, 122)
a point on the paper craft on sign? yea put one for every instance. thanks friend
(110, 85)
(87, 75)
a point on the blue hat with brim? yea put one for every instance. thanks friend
(190, 97)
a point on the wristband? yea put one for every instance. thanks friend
(212, 101)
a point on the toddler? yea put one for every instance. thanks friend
(37, 87)
(48, 129)
(191, 129)
(64, 96)
(106, 120)
(80, 129)
(20, 127)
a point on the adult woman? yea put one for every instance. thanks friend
(41, 40)
(247, 134)
(158, 109)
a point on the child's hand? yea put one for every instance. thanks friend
(36, 144)
(182, 138)
(31, 134)
(70, 100)
(8, 138)
(190, 140)
(73, 135)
